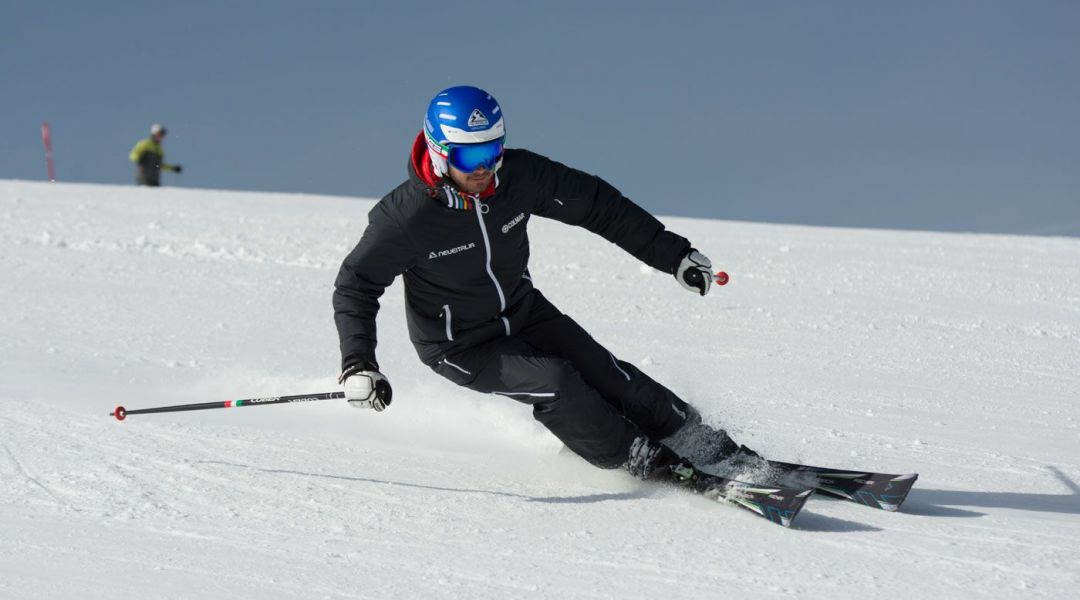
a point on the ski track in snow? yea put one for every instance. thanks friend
(954, 356)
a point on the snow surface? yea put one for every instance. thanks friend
(954, 356)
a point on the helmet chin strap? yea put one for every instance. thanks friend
(439, 164)
(439, 160)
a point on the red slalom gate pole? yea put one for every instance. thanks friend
(46, 138)
(121, 413)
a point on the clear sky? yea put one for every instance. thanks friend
(960, 116)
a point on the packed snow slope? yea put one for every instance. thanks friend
(954, 356)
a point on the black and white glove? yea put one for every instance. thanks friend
(366, 387)
(695, 272)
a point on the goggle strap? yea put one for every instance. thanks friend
(434, 142)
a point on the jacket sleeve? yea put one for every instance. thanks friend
(577, 198)
(383, 253)
(138, 151)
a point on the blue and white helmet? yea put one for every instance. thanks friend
(468, 118)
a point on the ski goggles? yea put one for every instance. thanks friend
(470, 157)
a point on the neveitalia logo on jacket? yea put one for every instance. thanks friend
(448, 252)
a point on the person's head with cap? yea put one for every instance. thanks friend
(157, 132)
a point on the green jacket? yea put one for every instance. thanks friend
(149, 156)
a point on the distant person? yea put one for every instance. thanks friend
(456, 232)
(149, 158)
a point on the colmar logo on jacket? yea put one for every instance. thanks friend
(514, 221)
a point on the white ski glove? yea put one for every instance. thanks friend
(695, 272)
(366, 387)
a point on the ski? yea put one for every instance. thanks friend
(776, 503)
(877, 490)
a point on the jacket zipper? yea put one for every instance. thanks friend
(480, 208)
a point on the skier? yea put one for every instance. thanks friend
(456, 230)
(149, 158)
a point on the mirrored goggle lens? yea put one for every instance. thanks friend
(469, 157)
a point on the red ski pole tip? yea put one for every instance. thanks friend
(120, 413)
(721, 278)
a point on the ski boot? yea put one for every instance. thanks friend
(652, 461)
(747, 465)
(699, 443)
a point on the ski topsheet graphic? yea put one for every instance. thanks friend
(876, 490)
(884, 491)
(776, 503)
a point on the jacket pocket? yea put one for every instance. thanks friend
(455, 371)
(448, 318)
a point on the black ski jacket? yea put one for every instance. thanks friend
(466, 271)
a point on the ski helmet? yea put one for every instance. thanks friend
(464, 128)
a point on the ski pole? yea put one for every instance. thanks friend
(121, 413)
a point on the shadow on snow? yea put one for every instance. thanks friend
(940, 503)
(548, 499)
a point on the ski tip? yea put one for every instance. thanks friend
(119, 412)
(894, 503)
(911, 476)
(801, 499)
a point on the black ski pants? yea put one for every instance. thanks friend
(593, 402)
